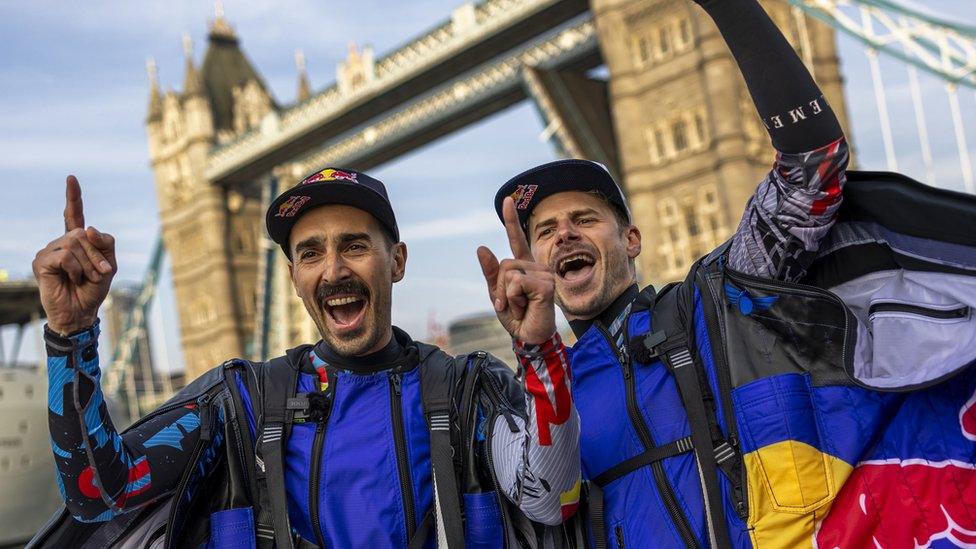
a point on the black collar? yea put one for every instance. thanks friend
(580, 326)
(399, 353)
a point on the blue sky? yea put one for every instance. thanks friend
(74, 92)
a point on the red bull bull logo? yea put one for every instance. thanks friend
(290, 207)
(330, 174)
(523, 195)
(908, 503)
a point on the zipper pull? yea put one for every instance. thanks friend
(203, 404)
(627, 372)
(395, 383)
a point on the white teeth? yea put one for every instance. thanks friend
(342, 301)
(564, 262)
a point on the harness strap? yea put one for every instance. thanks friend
(278, 388)
(436, 385)
(595, 510)
(683, 366)
(673, 448)
(423, 531)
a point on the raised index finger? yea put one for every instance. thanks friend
(516, 236)
(74, 211)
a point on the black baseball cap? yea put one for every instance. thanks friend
(532, 186)
(329, 186)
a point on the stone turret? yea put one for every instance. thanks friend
(207, 229)
(304, 86)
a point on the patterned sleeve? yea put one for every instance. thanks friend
(791, 212)
(538, 463)
(101, 473)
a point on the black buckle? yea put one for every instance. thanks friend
(312, 407)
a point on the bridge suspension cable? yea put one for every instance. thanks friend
(133, 332)
(920, 39)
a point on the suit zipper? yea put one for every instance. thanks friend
(657, 468)
(314, 478)
(942, 314)
(205, 435)
(618, 532)
(403, 467)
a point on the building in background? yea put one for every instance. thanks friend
(144, 387)
(692, 147)
(481, 332)
(674, 123)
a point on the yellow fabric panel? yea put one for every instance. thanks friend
(790, 486)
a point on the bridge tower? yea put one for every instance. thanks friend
(211, 231)
(692, 148)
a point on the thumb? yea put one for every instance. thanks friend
(489, 267)
(104, 242)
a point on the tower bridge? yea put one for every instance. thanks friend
(667, 112)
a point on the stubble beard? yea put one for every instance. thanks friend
(616, 268)
(375, 326)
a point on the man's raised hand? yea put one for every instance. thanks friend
(521, 289)
(74, 272)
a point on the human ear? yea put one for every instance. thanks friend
(633, 242)
(399, 261)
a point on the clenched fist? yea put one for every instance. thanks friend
(74, 272)
(521, 289)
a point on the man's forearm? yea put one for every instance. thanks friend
(100, 472)
(541, 467)
(792, 107)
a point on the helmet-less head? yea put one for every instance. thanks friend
(577, 222)
(338, 230)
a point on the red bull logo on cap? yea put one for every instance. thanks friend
(290, 207)
(330, 174)
(523, 195)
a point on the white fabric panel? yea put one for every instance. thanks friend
(900, 349)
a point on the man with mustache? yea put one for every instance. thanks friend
(651, 487)
(365, 439)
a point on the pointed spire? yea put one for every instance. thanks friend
(304, 87)
(192, 83)
(155, 99)
(220, 28)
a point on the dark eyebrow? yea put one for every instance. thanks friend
(346, 238)
(310, 242)
(583, 211)
(574, 214)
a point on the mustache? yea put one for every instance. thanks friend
(326, 290)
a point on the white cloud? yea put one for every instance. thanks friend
(471, 223)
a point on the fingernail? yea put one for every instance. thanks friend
(104, 265)
(498, 305)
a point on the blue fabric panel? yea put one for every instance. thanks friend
(607, 438)
(913, 432)
(246, 401)
(418, 446)
(774, 409)
(361, 504)
(298, 457)
(232, 528)
(483, 521)
(664, 414)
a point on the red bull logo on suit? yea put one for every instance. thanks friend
(910, 503)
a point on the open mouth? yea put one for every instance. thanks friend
(346, 311)
(575, 267)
